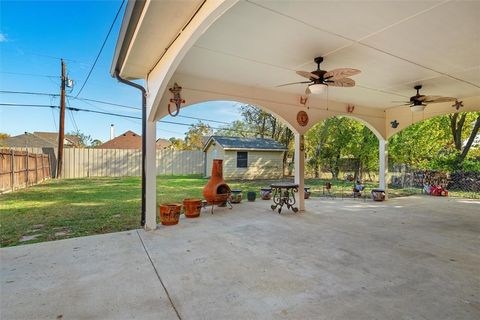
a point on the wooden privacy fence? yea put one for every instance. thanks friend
(86, 162)
(20, 169)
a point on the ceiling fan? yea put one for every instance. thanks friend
(419, 101)
(319, 79)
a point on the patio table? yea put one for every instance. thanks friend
(284, 194)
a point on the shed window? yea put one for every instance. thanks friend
(242, 159)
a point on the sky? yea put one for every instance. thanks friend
(33, 38)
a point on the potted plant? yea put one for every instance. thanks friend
(266, 193)
(170, 213)
(251, 195)
(236, 196)
(307, 192)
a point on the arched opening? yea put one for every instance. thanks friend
(342, 146)
(442, 150)
(339, 151)
(237, 122)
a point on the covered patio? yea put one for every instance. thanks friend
(243, 50)
(341, 259)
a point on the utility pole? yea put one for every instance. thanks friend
(61, 127)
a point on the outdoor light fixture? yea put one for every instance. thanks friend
(317, 88)
(418, 107)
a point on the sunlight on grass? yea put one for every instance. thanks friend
(102, 204)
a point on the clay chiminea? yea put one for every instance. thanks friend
(216, 191)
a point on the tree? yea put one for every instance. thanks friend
(3, 136)
(457, 125)
(95, 143)
(83, 139)
(177, 144)
(194, 137)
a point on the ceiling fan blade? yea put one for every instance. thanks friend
(437, 99)
(345, 82)
(337, 74)
(398, 101)
(307, 75)
(289, 84)
(307, 91)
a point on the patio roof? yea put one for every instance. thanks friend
(261, 43)
(242, 50)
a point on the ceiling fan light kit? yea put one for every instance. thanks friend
(418, 102)
(319, 80)
(418, 108)
(317, 88)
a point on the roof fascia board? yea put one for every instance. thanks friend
(131, 17)
(253, 149)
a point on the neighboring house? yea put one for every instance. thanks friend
(130, 140)
(245, 158)
(40, 140)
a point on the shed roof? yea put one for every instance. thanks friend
(242, 143)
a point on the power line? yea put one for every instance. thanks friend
(69, 96)
(101, 49)
(72, 116)
(202, 119)
(108, 103)
(118, 115)
(29, 74)
(28, 105)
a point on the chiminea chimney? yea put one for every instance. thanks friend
(112, 131)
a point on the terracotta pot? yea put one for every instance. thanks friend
(236, 196)
(251, 195)
(170, 213)
(266, 193)
(192, 207)
(216, 191)
(307, 193)
(378, 194)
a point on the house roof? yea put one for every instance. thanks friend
(39, 140)
(130, 140)
(242, 143)
(127, 140)
(163, 143)
(53, 136)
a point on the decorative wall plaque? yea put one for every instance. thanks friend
(302, 118)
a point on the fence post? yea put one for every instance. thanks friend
(43, 167)
(36, 168)
(28, 171)
(13, 170)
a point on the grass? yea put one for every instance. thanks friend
(59, 209)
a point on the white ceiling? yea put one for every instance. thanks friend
(396, 44)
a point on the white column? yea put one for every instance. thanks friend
(151, 178)
(300, 169)
(383, 160)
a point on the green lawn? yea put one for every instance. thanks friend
(59, 209)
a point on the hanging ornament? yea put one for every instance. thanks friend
(177, 99)
(302, 118)
(394, 124)
(458, 104)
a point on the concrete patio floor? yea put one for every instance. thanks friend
(408, 258)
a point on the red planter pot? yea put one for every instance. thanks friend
(192, 207)
(170, 213)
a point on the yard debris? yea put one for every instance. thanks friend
(28, 238)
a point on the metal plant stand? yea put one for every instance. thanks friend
(284, 194)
